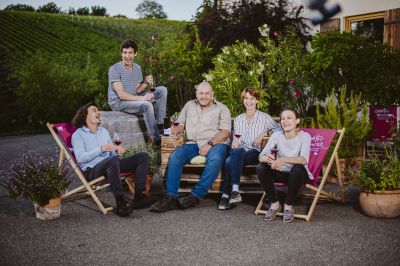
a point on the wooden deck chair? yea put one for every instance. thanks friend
(62, 134)
(321, 141)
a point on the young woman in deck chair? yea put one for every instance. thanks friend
(98, 156)
(284, 159)
(249, 130)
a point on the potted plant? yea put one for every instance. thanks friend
(154, 163)
(379, 181)
(39, 179)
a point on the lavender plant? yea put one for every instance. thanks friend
(36, 178)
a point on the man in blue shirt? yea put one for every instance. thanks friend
(98, 156)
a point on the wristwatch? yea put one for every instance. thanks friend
(210, 143)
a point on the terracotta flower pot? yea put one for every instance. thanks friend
(50, 211)
(381, 204)
(131, 181)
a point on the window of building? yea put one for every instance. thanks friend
(370, 25)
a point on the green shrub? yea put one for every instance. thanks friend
(176, 60)
(54, 86)
(363, 65)
(276, 70)
(155, 157)
(345, 113)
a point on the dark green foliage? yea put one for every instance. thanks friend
(363, 65)
(20, 7)
(54, 87)
(71, 11)
(99, 11)
(83, 11)
(379, 174)
(177, 61)
(223, 24)
(50, 7)
(150, 9)
(154, 155)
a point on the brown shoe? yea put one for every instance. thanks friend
(166, 203)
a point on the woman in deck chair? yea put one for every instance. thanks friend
(249, 128)
(284, 159)
(98, 156)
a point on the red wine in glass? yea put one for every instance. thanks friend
(176, 123)
(117, 140)
(274, 151)
(238, 135)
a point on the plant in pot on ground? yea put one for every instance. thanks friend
(379, 181)
(154, 163)
(39, 179)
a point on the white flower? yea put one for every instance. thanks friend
(245, 52)
(264, 30)
(219, 59)
(208, 77)
(262, 67)
(251, 72)
(225, 50)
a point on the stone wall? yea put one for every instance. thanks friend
(131, 128)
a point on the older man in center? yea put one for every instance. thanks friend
(208, 126)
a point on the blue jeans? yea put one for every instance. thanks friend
(151, 117)
(234, 164)
(182, 155)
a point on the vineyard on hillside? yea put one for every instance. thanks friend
(50, 64)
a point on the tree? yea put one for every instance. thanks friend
(224, 24)
(99, 11)
(119, 16)
(71, 11)
(20, 7)
(83, 11)
(150, 9)
(50, 7)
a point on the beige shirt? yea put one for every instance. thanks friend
(202, 125)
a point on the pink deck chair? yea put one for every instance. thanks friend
(62, 134)
(320, 144)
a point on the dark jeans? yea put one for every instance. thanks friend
(234, 164)
(294, 179)
(111, 167)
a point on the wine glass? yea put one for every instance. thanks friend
(238, 135)
(152, 88)
(274, 151)
(117, 139)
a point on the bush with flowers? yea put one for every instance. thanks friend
(276, 69)
(36, 178)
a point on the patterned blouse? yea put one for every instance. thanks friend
(261, 122)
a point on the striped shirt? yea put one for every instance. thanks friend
(261, 122)
(128, 77)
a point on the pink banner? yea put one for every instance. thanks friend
(383, 120)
